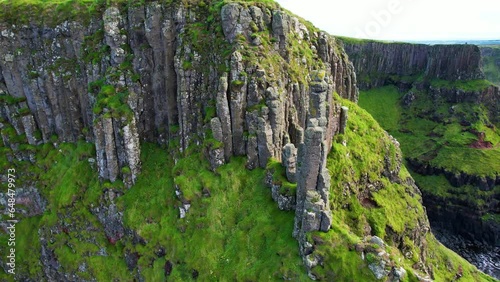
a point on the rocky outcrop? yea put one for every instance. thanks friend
(457, 179)
(488, 96)
(289, 160)
(463, 218)
(373, 250)
(313, 212)
(459, 215)
(287, 201)
(28, 200)
(449, 75)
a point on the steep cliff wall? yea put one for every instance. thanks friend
(446, 116)
(444, 70)
(490, 60)
(157, 73)
(228, 79)
(375, 62)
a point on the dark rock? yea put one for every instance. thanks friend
(144, 51)
(160, 252)
(230, 14)
(205, 192)
(194, 274)
(111, 219)
(168, 268)
(29, 201)
(216, 155)
(216, 127)
(264, 139)
(433, 61)
(408, 99)
(131, 260)
(237, 104)
(343, 119)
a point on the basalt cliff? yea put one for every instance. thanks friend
(449, 113)
(149, 138)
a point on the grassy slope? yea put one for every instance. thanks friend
(236, 233)
(444, 144)
(419, 134)
(394, 207)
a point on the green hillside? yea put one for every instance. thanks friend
(233, 230)
(440, 134)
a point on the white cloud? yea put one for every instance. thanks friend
(402, 19)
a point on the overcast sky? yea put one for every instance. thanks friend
(402, 19)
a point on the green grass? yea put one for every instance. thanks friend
(279, 178)
(236, 233)
(469, 85)
(392, 206)
(383, 103)
(49, 12)
(364, 156)
(64, 178)
(430, 132)
(438, 185)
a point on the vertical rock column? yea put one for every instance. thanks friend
(116, 138)
(313, 179)
(237, 102)
(343, 119)
(224, 115)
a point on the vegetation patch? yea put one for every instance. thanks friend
(436, 131)
(112, 101)
(465, 85)
(278, 172)
(232, 231)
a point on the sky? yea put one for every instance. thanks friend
(402, 20)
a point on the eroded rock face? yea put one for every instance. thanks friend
(146, 54)
(313, 212)
(29, 201)
(448, 62)
(289, 160)
(142, 75)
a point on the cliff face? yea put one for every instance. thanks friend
(433, 68)
(375, 61)
(490, 59)
(155, 73)
(234, 81)
(432, 83)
